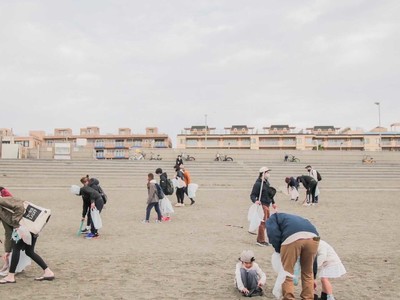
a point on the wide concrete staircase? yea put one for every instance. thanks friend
(339, 170)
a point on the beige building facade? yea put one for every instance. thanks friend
(284, 137)
(103, 146)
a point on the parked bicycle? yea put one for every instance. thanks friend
(368, 160)
(155, 157)
(187, 157)
(291, 158)
(223, 157)
(138, 156)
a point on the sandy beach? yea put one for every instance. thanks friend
(193, 256)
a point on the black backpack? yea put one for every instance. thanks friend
(319, 178)
(102, 194)
(160, 193)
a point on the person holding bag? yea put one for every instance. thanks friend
(11, 213)
(91, 200)
(261, 195)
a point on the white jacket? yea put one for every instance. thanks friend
(238, 277)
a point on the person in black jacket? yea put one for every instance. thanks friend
(293, 236)
(91, 199)
(163, 179)
(310, 184)
(262, 194)
(292, 185)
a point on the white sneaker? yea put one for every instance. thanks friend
(177, 204)
(306, 204)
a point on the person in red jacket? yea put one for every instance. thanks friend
(4, 192)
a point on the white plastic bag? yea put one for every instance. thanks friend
(166, 206)
(192, 188)
(24, 261)
(278, 268)
(96, 219)
(75, 189)
(255, 216)
(294, 194)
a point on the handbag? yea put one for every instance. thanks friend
(35, 217)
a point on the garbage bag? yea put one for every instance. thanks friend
(192, 188)
(96, 219)
(166, 206)
(255, 216)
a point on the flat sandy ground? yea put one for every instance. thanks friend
(193, 256)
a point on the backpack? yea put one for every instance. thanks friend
(102, 194)
(160, 193)
(167, 186)
(319, 178)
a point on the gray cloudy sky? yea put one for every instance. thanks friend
(168, 63)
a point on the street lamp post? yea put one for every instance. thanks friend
(379, 124)
(205, 129)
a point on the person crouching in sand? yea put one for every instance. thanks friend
(249, 277)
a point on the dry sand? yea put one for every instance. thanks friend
(193, 256)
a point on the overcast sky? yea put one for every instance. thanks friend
(164, 63)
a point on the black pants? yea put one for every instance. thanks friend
(180, 194)
(311, 192)
(29, 250)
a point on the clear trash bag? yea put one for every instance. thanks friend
(96, 219)
(255, 215)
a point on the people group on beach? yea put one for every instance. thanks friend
(294, 238)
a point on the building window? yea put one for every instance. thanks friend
(119, 143)
(99, 143)
(191, 142)
(119, 153)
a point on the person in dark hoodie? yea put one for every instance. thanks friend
(310, 184)
(293, 236)
(91, 199)
(261, 195)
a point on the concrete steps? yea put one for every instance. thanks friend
(113, 174)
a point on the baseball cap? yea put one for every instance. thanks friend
(264, 169)
(247, 256)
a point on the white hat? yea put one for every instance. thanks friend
(264, 169)
(247, 256)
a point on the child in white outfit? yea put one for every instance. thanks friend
(329, 266)
(249, 277)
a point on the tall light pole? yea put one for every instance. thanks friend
(379, 120)
(205, 129)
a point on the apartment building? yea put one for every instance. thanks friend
(285, 137)
(104, 146)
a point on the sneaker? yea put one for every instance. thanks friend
(192, 202)
(145, 221)
(91, 235)
(182, 204)
(166, 219)
(178, 205)
(262, 244)
(158, 221)
(306, 204)
(85, 231)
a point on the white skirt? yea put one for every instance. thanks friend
(333, 271)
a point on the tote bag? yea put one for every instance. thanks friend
(35, 217)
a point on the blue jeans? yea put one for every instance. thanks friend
(156, 207)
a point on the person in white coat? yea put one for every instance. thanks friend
(329, 266)
(249, 277)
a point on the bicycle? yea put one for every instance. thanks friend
(292, 158)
